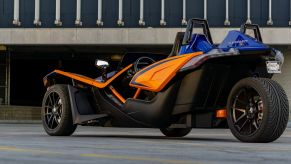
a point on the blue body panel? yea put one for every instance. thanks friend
(198, 43)
(242, 42)
(234, 39)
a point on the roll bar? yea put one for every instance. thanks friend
(191, 23)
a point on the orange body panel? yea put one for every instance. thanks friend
(156, 76)
(90, 81)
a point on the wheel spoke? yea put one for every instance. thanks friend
(255, 125)
(55, 120)
(48, 107)
(54, 98)
(50, 100)
(243, 125)
(49, 122)
(48, 114)
(240, 118)
(243, 111)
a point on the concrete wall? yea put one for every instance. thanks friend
(285, 77)
(120, 36)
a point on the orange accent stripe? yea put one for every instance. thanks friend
(117, 94)
(137, 93)
(221, 113)
(91, 81)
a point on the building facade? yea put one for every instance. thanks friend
(37, 36)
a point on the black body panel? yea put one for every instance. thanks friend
(156, 112)
(117, 117)
(83, 106)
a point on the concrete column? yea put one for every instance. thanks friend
(205, 9)
(78, 21)
(141, 21)
(248, 12)
(16, 20)
(285, 77)
(226, 22)
(8, 75)
(58, 21)
(184, 19)
(162, 21)
(99, 20)
(270, 21)
(120, 13)
(37, 21)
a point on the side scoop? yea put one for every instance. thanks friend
(156, 76)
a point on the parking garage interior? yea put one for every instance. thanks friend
(29, 64)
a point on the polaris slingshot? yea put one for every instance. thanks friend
(199, 85)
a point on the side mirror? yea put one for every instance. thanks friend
(101, 63)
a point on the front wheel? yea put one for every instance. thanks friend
(175, 132)
(56, 112)
(257, 110)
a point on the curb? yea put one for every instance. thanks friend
(20, 121)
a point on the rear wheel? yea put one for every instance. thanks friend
(176, 132)
(56, 112)
(257, 110)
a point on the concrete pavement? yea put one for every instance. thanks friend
(28, 143)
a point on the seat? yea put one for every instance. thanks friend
(198, 43)
(177, 44)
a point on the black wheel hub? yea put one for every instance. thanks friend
(53, 110)
(247, 111)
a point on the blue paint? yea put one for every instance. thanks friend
(242, 42)
(234, 39)
(198, 43)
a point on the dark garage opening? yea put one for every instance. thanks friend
(30, 64)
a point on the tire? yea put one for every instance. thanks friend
(257, 110)
(56, 112)
(177, 132)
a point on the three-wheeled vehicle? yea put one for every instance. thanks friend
(199, 85)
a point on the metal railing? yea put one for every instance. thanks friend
(141, 22)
